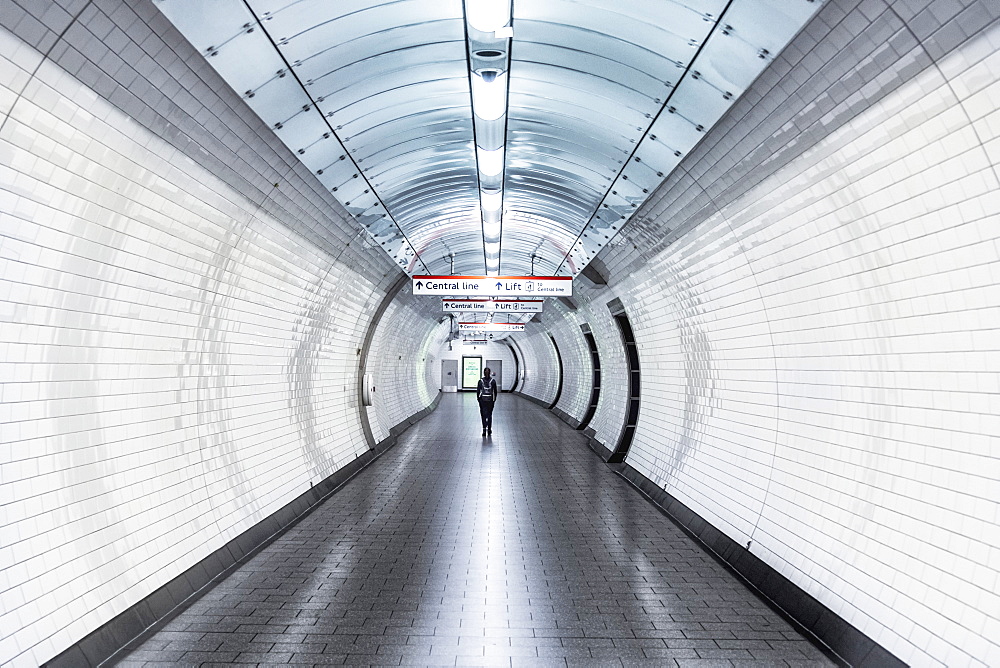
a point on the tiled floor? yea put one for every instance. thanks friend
(523, 549)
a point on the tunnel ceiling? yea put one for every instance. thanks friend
(386, 103)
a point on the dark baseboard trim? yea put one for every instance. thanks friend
(599, 448)
(130, 628)
(831, 633)
(543, 404)
(566, 417)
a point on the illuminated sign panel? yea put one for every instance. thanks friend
(492, 305)
(491, 326)
(495, 286)
(472, 371)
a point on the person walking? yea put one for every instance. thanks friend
(486, 393)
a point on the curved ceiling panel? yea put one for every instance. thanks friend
(596, 80)
(595, 103)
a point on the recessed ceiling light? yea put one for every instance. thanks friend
(487, 15)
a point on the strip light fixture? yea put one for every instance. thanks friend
(489, 33)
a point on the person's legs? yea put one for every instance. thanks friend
(489, 416)
(484, 414)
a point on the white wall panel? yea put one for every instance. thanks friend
(613, 404)
(575, 355)
(540, 378)
(563, 324)
(404, 359)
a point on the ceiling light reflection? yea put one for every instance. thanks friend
(490, 162)
(491, 231)
(487, 15)
(492, 200)
(489, 99)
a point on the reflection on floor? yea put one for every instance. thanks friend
(521, 549)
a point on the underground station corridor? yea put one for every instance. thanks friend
(519, 548)
(726, 273)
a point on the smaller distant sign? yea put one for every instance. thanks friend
(475, 342)
(492, 305)
(491, 326)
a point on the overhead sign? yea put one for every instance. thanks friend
(493, 305)
(475, 342)
(497, 286)
(491, 326)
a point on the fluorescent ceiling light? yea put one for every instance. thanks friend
(489, 100)
(492, 264)
(490, 162)
(487, 15)
(492, 200)
(492, 248)
(491, 231)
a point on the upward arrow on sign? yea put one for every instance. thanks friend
(419, 285)
(499, 285)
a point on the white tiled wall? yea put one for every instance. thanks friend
(180, 315)
(608, 419)
(540, 375)
(543, 380)
(815, 300)
(404, 359)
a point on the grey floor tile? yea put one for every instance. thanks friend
(453, 550)
(538, 663)
(320, 659)
(159, 655)
(563, 652)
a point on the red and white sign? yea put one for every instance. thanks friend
(494, 286)
(492, 305)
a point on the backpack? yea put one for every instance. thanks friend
(486, 389)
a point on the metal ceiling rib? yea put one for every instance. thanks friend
(604, 98)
